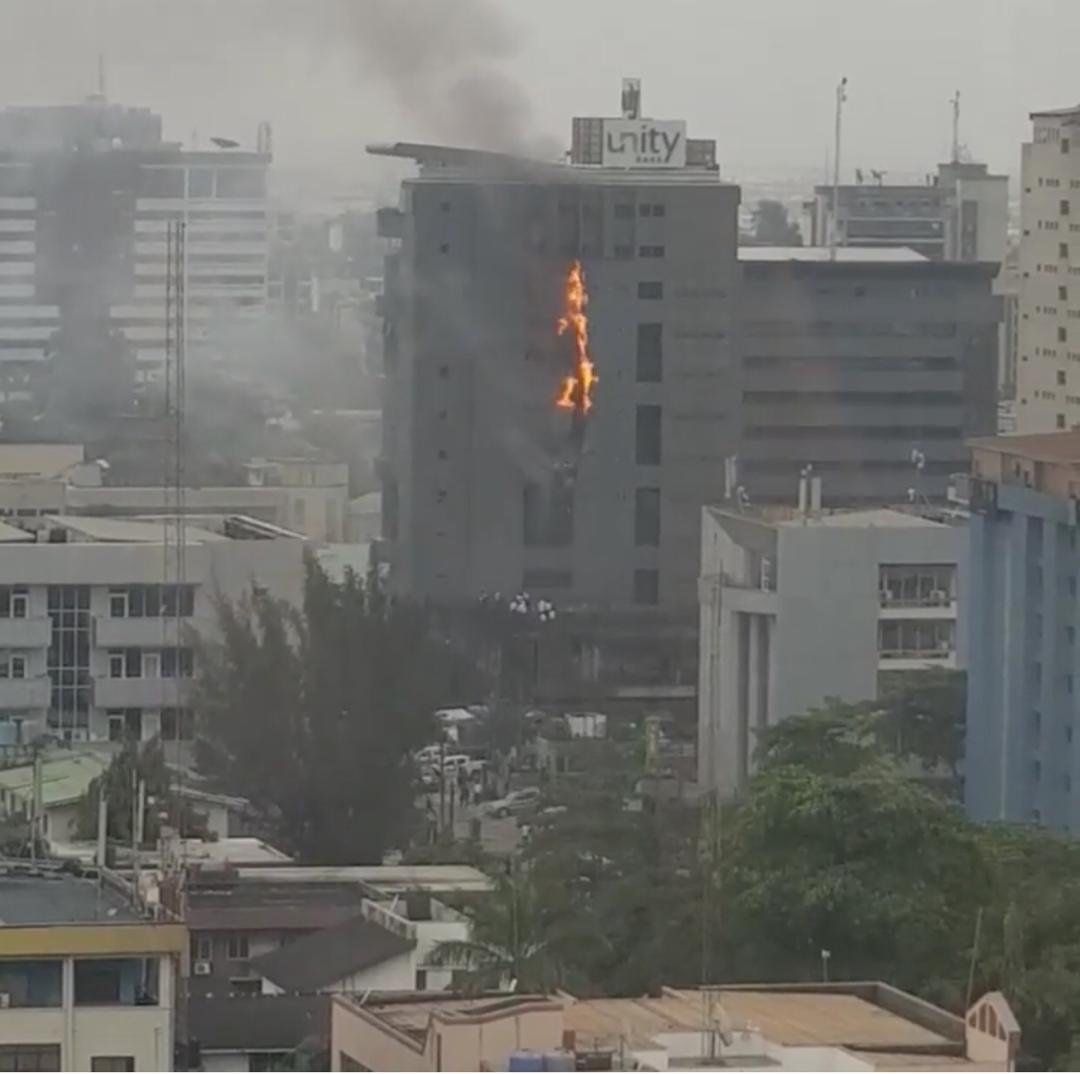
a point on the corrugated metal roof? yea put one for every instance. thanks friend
(63, 780)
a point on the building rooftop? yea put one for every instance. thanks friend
(218, 900)
(127, 531)
(847, 255)
(388, 879)
(63, 779)
(1056, 113)
(38, 460)
(1063, 447)
(872, 517)
(785, 515)
(12, 534)
(885, 1027)
(58, 898)
(326, 957)
(257, 1023)
(411, 1013)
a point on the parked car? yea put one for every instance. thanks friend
(516, 803)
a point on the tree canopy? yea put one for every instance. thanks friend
(312, 713)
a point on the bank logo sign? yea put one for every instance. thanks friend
(644, 143)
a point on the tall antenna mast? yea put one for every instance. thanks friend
(173, 478)
(834, 231)
(101, 75)
(955, 102)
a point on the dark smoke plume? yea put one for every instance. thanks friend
(446, 63)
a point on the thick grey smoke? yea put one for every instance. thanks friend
(448, 65)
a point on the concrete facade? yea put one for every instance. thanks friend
(797, 608)
(487, 485)
(86, 193)
(962, 215)
(1047, 374)
(854, 364)
(1023, 757)
(88, 630)
(84, 979)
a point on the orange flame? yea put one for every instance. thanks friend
(576, 392)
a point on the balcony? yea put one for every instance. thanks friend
(25, 694)
(149, 633)
(25, 633)
(140, 693)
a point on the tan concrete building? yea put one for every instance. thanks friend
(86, 983)
(860, 1026)
(1048, 366)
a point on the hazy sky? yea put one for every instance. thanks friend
(758, 75)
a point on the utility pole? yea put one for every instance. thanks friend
(841, 97)
(955, 102)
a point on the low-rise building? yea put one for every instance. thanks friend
(91, 645)
(799, 606)
(56, 781)
(252, 934)
(86, 982)
(861, 1026)
(258, 1032)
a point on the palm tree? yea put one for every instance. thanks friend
(510, 947)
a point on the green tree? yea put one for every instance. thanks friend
(312, 714)
(118, 783)
(835, 849)
(923, 715)
(511, 944)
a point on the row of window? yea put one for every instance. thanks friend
(646, 587)
(914, 639)
(99, 982)
(924, 586)
(625, 210)
(125, 602)
(175, 724)
(875, 329)
(151, 663)
(151, 601)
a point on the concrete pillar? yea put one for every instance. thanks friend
(67, 994)
(755, 688)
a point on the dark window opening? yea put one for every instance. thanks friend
(647, 517)
(646, 586)
(547, 514)
(647, 435)
(650, 289)
(650, 353)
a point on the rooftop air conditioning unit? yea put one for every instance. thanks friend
(202, 968)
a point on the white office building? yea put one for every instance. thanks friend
(221, 198)
(1048, 364)
(89, 615)
(26, 325)
(797, 607)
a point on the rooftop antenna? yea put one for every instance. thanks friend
(101, 75)
(955, 102)
(841, 97)
(173, 477)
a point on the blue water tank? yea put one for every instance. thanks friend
(559, 1061)
(526, 1061)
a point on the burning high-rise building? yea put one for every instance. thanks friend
(558, 351)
